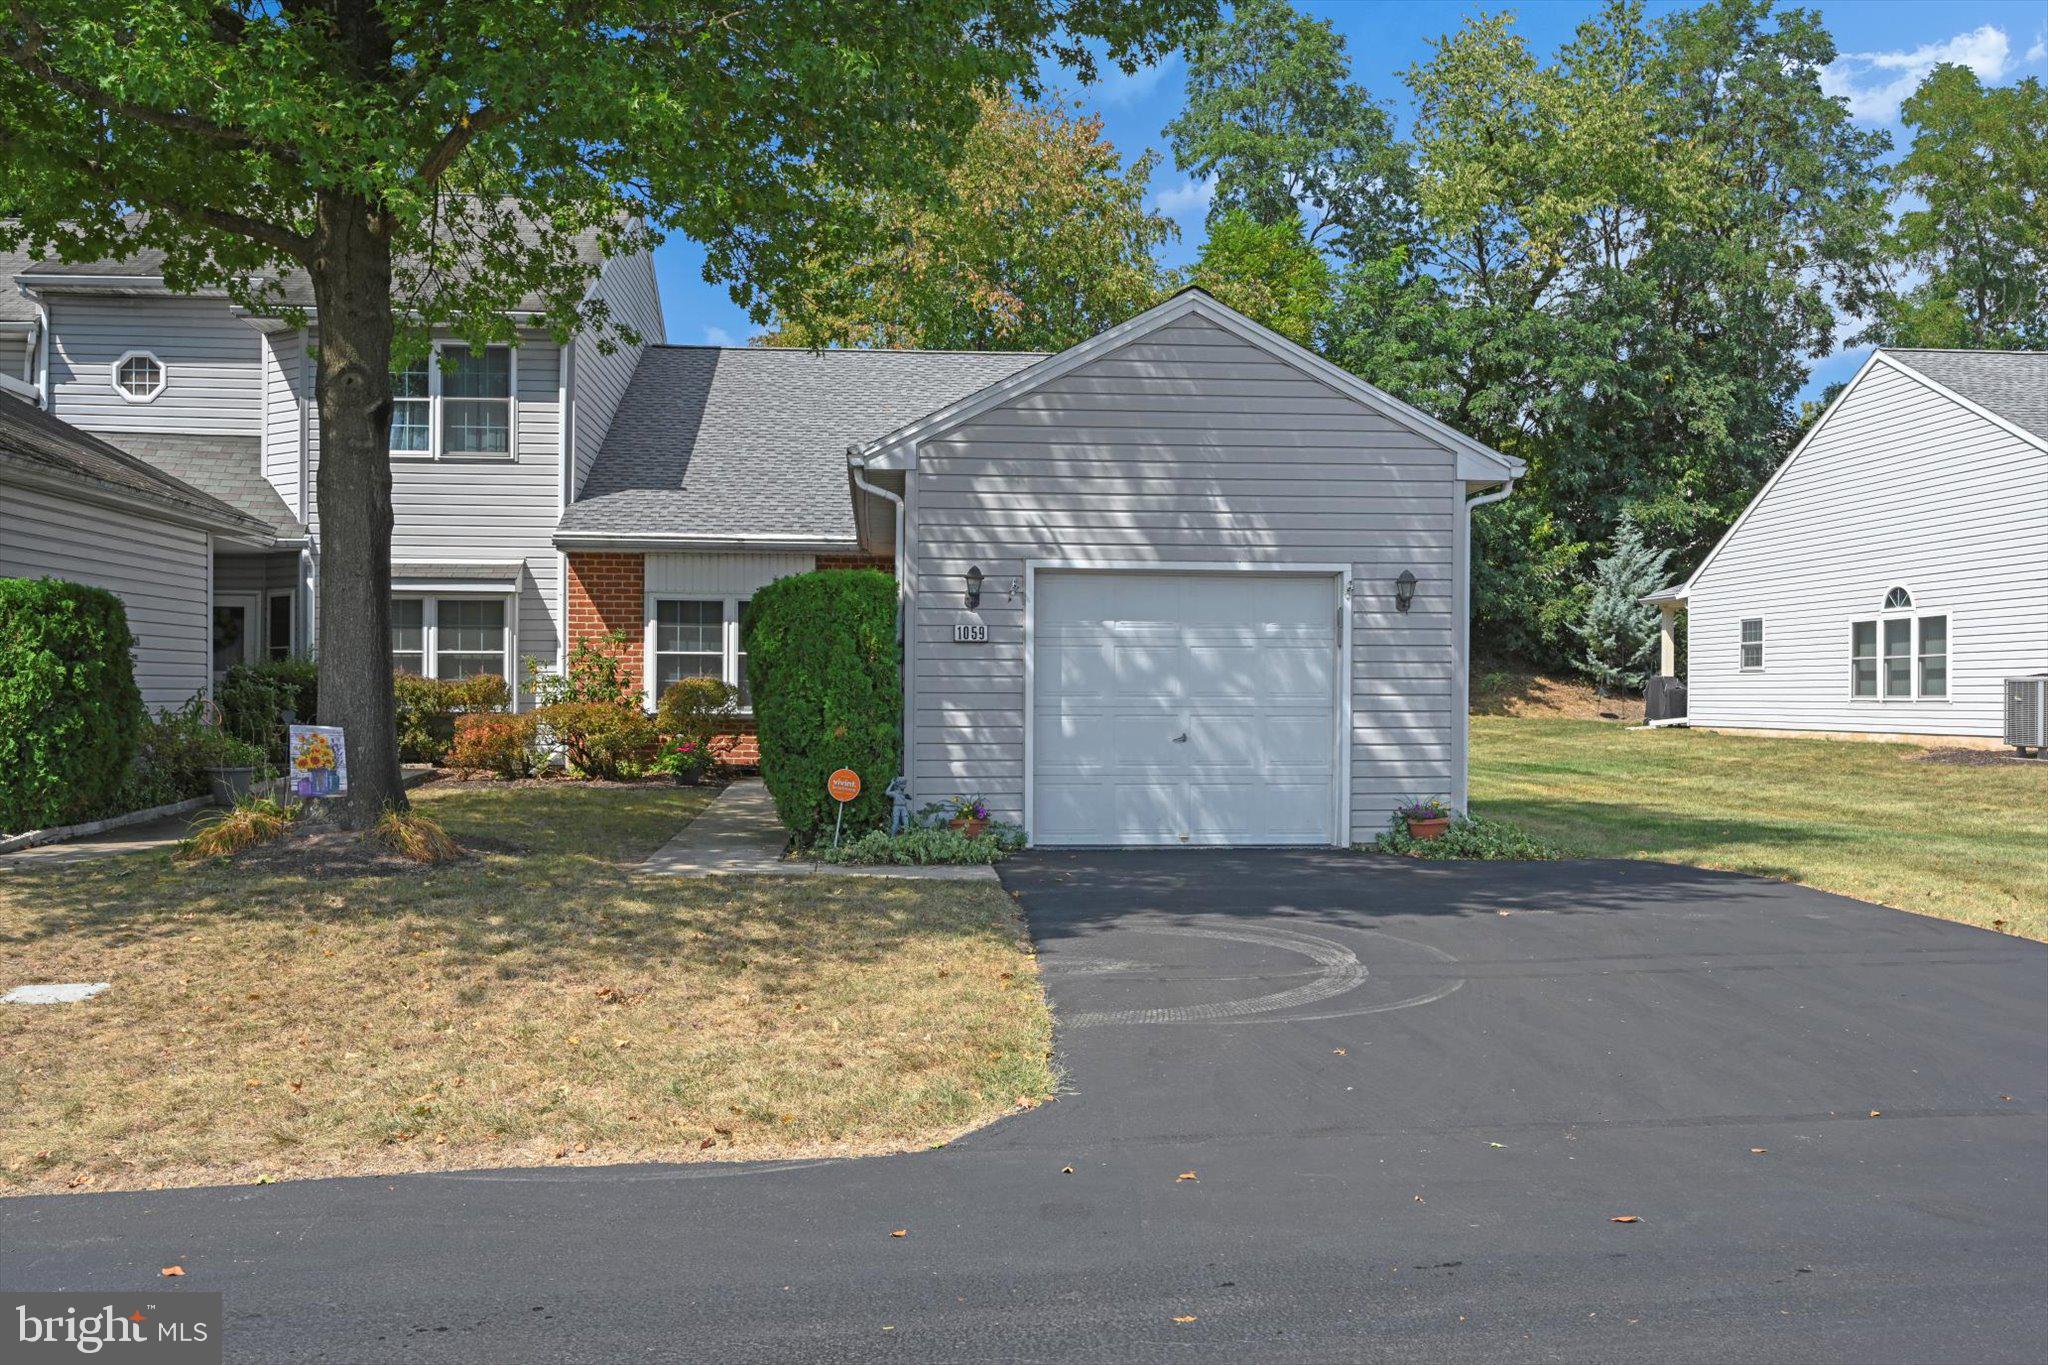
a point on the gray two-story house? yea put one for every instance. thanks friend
(485, 452)
(1182, 583)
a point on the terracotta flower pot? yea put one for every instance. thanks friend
(1432, 828)
(969, 827)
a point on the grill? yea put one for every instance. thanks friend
(2026, 713)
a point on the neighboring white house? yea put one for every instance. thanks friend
(1894, 571)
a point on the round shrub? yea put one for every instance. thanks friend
(70, 714)
(696, 709)
(601, 740)
(827, 682)
(498, 743)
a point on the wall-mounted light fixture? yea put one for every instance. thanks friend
(1404, 591)
(974, 587)
(1016, 593)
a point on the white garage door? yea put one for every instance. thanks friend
(1184, 709)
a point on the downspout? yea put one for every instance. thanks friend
(1464, 679)
(856, 465)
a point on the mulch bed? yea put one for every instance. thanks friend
(1975, 758)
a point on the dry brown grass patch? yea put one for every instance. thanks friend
(537, 1002)
(226, 833)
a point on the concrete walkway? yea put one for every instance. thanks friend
(740, 834)
(161, 833)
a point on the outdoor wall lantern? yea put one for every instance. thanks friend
(974, 587)
(1404, 591)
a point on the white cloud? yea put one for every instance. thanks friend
(1114, 87)
(2040, 48)
(1188, 198)
(1874, 83)
(718, 336)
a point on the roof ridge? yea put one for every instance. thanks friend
(833, 350)
(1952, 350)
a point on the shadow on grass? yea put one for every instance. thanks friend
(569, 899)
(1609, 829)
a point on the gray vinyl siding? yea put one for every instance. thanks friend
(627, 285)
(157, 569)
(14, 357)
(1185, 445)
(1901, 486)
(490, 510)
(212, 363)
(287, 396)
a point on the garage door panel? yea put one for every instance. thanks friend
(1244, 665)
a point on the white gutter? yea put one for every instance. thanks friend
(9, 384)
(856, 464)
(657, 541)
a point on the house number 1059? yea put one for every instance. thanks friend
(974, 633)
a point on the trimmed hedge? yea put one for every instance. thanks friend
(70, 713)
(827, 683)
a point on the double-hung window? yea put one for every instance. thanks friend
(450, 637)
(1752, 644)
(699, 637)
(1901, 654)
(456, 404)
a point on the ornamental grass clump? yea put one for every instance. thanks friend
(416, 836)
(244, 825)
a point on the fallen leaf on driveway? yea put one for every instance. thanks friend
(1758, 1151)
(1501, 1145)
(900, 1232)
(1190, 1317)
(1339, 1052)
(1066, 1170)
(1875, 1112)
(1184, 1175)
(172, 1270)
(1624, 1218)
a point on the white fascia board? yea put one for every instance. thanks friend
(897, 450)
(656, 542)
(1905, 367)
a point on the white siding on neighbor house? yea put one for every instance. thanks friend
(627, 285)
(1902, 486)
(158, 570)
(734, 573)
(489, 510)
(212, 360)
(1185, 445)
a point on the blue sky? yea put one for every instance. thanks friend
(1887, 45)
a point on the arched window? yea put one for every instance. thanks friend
(1898, 599)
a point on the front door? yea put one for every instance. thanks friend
(234, 631)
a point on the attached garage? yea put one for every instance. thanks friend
(1185, 584)
(1175, 707)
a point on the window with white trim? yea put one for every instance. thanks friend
(1900, 654)
(699, 637)
(139, 377)
(451, 637)
(457, 403)
(277, 626)
(1752, 644)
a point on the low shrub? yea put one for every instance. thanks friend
(71, 716)
(594, 673)
(697, 709)
(246, 824)
(171, 758)
(418, 837)
(926, 847)
(427, 708)
(254, 700)
(825, 674)
(501, 744)
(601, 739)
(1470, 836)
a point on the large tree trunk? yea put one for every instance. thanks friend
(352, 295)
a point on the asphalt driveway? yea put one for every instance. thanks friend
(1411, 1099)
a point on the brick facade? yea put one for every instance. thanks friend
(608, 593)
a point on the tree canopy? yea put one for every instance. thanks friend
(1039, 239)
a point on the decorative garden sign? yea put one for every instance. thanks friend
(319, 761)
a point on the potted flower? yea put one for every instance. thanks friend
(1426, 819)
(229, 764)
(686, 760)
(970, 816)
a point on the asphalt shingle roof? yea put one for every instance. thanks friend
(14, 307)
(2011, 384)
(32, 438)
(227, 468)
(721, 441)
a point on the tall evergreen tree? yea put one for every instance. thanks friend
(1616, 630)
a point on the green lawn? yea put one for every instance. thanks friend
(1874, 821)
